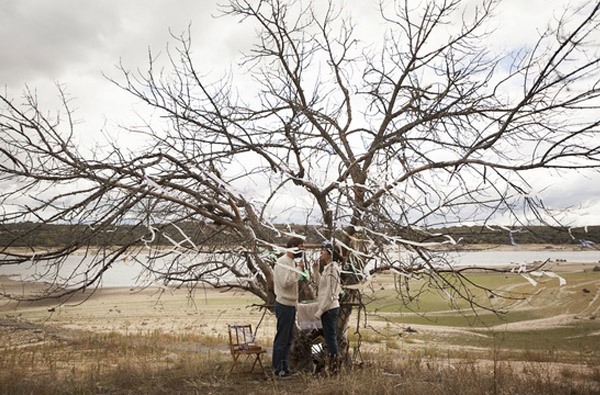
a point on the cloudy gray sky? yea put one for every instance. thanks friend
(75, 42)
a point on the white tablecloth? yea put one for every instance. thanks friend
(306, 316)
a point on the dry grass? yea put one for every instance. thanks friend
(160, 364)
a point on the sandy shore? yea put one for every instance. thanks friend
(124, 310)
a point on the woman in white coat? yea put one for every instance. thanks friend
(327, 277)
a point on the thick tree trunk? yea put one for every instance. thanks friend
(347, 304)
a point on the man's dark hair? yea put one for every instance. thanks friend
(295, 242)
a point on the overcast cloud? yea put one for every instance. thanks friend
(73, 42)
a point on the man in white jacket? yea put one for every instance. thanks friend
(285, 280)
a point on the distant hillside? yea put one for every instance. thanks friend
(533, 235)
(43, 235)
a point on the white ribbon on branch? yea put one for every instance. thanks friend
(540, 273)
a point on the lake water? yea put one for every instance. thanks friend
(498, 258)
(127, 274)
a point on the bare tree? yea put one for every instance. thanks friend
(386, 142)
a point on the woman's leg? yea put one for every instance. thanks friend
(329, 322)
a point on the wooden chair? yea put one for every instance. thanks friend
(242, 341)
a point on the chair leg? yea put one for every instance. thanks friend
(257, 359)
(235, 360)
(261, 366)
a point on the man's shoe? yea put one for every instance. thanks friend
(282, 375)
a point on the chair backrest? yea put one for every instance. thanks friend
(241, 338)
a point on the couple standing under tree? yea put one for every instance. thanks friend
(285, 278)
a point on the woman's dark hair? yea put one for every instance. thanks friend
(333, 250)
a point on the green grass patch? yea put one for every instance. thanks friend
(425, 296)
(513, 295)
(465, 319)
(582, 337)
